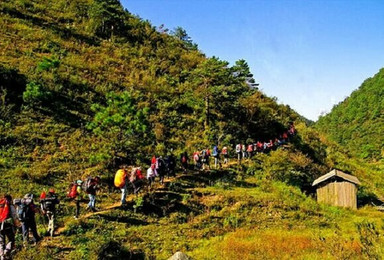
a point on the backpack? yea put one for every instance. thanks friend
(86, 186)
(120, 178)
(171, 161)
(24, 209)
(151, 173)
(73, 191)
(139, 175)
(160, 164)
(43, 195)
(133, 177)
(48, 204)
(215, 151)
(4, 210)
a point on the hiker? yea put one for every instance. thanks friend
(224, 151)
(184, 161)
(291, 130)
(238, 151)
(271, 145)
(170, 163)
(265, 147)
(216, 155)
(151, 175)
(205, 159)
(48, 204)
(244, 151)
(26, 214)
(8, 222)
(250, 150)
(276, 143)
(195, 157)
(259, 147)
(208, 157)
(91, 187)
(121, 179)
(74, 193)
(285, 137)
(197, 160)
(136, 179)
(161, 168)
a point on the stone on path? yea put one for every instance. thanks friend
(179, 256)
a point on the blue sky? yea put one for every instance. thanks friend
(310, 54)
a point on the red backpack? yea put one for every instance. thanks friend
(4, 209)
(73, 191)
(139, 175)
(43, 195)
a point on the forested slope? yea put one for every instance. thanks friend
(357, 123)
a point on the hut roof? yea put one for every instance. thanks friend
(337, 173)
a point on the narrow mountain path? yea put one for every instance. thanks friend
(104, 210)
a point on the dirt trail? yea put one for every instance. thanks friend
(116, 205)
(101, 211)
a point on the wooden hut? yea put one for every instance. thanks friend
(337, 188)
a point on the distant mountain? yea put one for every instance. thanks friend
(357, 123)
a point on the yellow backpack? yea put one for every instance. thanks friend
(120, 178)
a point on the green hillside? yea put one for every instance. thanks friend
(86, 86)
(358, 121)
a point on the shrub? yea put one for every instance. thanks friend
(112, 250)
(35, 94)
(48, 63)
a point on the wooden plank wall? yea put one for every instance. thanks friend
(342, 194)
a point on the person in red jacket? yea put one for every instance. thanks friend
(250, 150)
(259, 146)
(8, 221)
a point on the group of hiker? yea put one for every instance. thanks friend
(201, 159)
(20, 214)
(133, 177)
(247, 151)
(76, 190)
(16, 214)
(123, 178)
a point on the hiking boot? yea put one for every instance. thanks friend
(37, 240)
